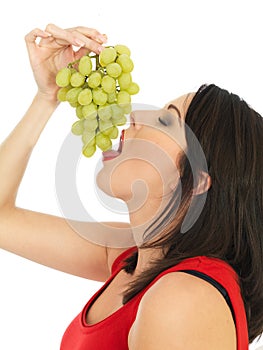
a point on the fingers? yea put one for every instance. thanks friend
(91, 33)
(81, 52)
(31, 37)
(89, 38)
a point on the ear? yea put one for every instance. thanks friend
(204, 183)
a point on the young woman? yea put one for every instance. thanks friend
(193, 280)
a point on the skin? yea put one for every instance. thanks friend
(194, 315)
(78, 256)
(200, 309)
(150, 154)
(44, 232)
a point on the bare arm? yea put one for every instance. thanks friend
(183, 312)
(46, 239)
(51, 241)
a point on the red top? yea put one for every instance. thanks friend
(112, 332)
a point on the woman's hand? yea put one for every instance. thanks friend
(55, 50)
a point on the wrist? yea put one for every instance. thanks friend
(49, 100)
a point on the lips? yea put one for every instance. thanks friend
(111, 154)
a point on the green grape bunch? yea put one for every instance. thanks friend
(99, 88)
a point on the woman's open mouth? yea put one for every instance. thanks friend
(111, 154)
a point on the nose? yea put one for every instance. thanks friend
(140, 118)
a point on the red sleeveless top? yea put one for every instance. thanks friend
(112, 332)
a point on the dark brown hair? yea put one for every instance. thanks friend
(230, 226)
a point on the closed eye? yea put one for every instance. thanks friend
(165, 122)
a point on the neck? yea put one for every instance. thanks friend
(140, 219)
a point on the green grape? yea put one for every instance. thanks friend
(72, 95)
(88, 138)
(124, 80)
(89, 111)
(77, 79)
(108, 131)
(77, 128)
(127, 108)
(62, 93)
(105, 112)
(105, 125)
(114, 132)
(88, 151)
(112, 97)
(103, 142)
(125, 62)
(123, 97)
(74, 104)
(117, 111)
(85, 97)
(108, 55)
(90, 124)
(99, 96)
(94, 80)
(133, 89)
(113, 70)
(122, 49)
(108, 84)
(79, 113)
(63, 77)
(119, 121)
(85, 65)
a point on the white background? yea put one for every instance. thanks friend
(176, 46)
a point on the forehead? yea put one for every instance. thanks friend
(182, 103)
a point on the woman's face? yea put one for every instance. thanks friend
(147, 164)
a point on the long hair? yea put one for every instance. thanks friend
(230, 226)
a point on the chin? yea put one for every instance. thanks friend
(103, 182)
(111, 181)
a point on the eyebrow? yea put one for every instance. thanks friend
(175, 108)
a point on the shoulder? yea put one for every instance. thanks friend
(181, 311)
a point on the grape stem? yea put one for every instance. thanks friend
(71, 64)
(97, 62)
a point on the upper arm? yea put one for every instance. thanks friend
(182, 312)
(55, 242)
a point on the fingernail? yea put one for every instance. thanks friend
(100, 48)
(79, 43)
(47, 34)
(102, 38)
